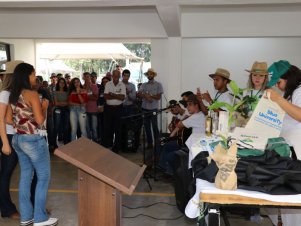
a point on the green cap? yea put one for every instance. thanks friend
(277, 69)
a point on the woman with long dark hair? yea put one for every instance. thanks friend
(29, 113)
(61, 112)
(77, 103)
(288, 79)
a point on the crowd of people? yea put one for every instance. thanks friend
(35, 116)
(64, 110)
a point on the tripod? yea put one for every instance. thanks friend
(143, 116)
(136, 117)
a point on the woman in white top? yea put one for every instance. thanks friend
(258, 79)
(288, 79)
(9, 158)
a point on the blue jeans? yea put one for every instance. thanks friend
(62, 123)
(78, 116)
(92, 123)
(33, 156)
(167, 156)
(8, 164)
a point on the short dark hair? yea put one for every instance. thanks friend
(187, 93)
(126, 71)
(193, 99)
(106, 77)
(40, 78)
(93, 74)
(86, 73)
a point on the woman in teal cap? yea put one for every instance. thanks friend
(287, 78)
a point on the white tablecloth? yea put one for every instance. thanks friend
(192, 209)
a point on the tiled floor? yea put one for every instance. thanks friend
(62, 199)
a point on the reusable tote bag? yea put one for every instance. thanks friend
(267, 117)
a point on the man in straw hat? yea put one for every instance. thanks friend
(221, 78)
(150, 92)
(9, 158)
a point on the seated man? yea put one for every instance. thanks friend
(196, 121)
(178, 112)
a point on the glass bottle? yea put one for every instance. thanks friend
(208, 125)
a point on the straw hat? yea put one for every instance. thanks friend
(222, 73)
(10, 66)
(259, 68)
(152, 71)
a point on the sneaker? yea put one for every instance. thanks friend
(49, 222)
(26, 223)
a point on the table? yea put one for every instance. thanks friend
(215, 198)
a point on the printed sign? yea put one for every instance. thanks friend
(267, 117)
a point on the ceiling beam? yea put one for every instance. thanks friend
(169, 13)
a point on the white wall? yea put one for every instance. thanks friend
(81, 24)
(201, 57)
(22, 49)
(263, 21)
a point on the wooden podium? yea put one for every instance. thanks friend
(102, 176)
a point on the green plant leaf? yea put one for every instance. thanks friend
(235, 89)
(217, 105)
(239, 104)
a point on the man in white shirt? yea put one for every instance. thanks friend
(114, 95)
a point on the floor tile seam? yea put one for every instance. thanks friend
(134, 194)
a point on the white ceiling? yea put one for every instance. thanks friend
(169, 11)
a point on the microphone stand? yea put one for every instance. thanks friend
(143, 115)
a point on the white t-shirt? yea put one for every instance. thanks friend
(118, 89)
(185, 115)
(4, 99)
(197, 123)
(288, 122)
(291, 129)
(223, 97)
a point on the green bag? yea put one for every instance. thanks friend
(278, 144)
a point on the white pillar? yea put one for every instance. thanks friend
(166, 60)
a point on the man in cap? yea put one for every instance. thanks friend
(53, 81)
(150, 92)
(67, 78)
(221, 78)
(178, 112)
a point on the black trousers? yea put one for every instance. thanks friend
(112, 126)
(8, 164)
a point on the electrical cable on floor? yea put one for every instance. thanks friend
(147, 206)
(162, 219)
